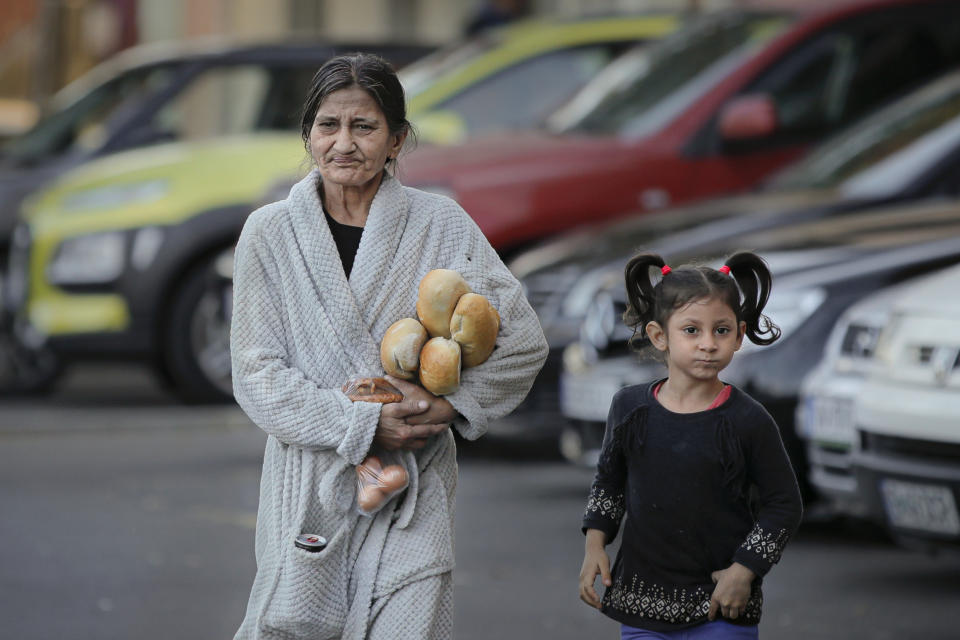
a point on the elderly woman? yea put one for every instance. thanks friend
(319, 277)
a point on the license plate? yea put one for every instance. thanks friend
(587, 397)
(831, 420)
(920, 506)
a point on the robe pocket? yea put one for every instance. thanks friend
(425, 546)
(310, 598)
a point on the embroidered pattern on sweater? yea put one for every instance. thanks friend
(766, 544)
(674, 606)
(606, 505)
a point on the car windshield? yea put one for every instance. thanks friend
(420, 75)
(639, 90)
(82, 121)
(888, 150)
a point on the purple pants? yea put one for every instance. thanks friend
(716, 630)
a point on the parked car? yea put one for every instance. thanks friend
(513, 77)
(820, 268)
(908, 151)
(712, 109)
(130, 256)
(150, 95)
(907, 454)
(824, 417)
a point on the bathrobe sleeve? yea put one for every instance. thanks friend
(276, 395)
(495, 387)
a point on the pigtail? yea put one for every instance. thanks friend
(640, 296)
(755, 281)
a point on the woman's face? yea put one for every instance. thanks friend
(350, 140)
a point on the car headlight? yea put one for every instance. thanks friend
(577, 301)
(859, 344)
(600, 322)
(116, 195)
(789, 309)
(602, 330)
(92, 259)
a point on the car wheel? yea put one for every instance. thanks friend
(197, 340)
(25, 369)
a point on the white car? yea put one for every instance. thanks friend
(906, 456)
(824, 419)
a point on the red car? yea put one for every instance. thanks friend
(713, 109)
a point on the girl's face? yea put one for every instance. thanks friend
(350, 140)
(700, 338)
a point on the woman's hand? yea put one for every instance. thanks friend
(439, 410)
(732, 592)
(595, 561)
(410, 423)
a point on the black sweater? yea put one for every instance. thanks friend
(701, 490)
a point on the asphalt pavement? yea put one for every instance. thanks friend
(126, 515)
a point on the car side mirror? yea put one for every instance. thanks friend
(748, 118)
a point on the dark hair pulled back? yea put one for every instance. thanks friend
(368, 71)
(651, 297)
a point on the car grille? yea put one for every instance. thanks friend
(923, 449)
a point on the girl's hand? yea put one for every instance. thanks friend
(595, 561)
(732, 592)
(439, 410)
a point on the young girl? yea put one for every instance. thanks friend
(696, 464)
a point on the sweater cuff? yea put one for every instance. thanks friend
(605, 509)
(610, 529)
(472, 422)
(762, 549)
(358, 439)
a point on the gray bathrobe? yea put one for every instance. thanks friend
(300, 329)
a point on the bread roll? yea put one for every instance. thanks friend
(440, 366)
(371, 390)
(474, 325)
(437, 296)
(400, 348)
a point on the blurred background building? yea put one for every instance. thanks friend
(44, 44)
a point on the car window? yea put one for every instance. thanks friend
(85, 123)
(501, 101)
(889, 149)
(219, 101)
(808, 89)
(675, 70)
(284, 98)
(840, 75)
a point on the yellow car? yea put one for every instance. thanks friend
(515, 76)
(130, 256)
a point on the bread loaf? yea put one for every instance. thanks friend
(474, 326)
(437, 296)
(440, 366)
(400, 348)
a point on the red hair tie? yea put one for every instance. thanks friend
(725, 270)
(665, 269)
